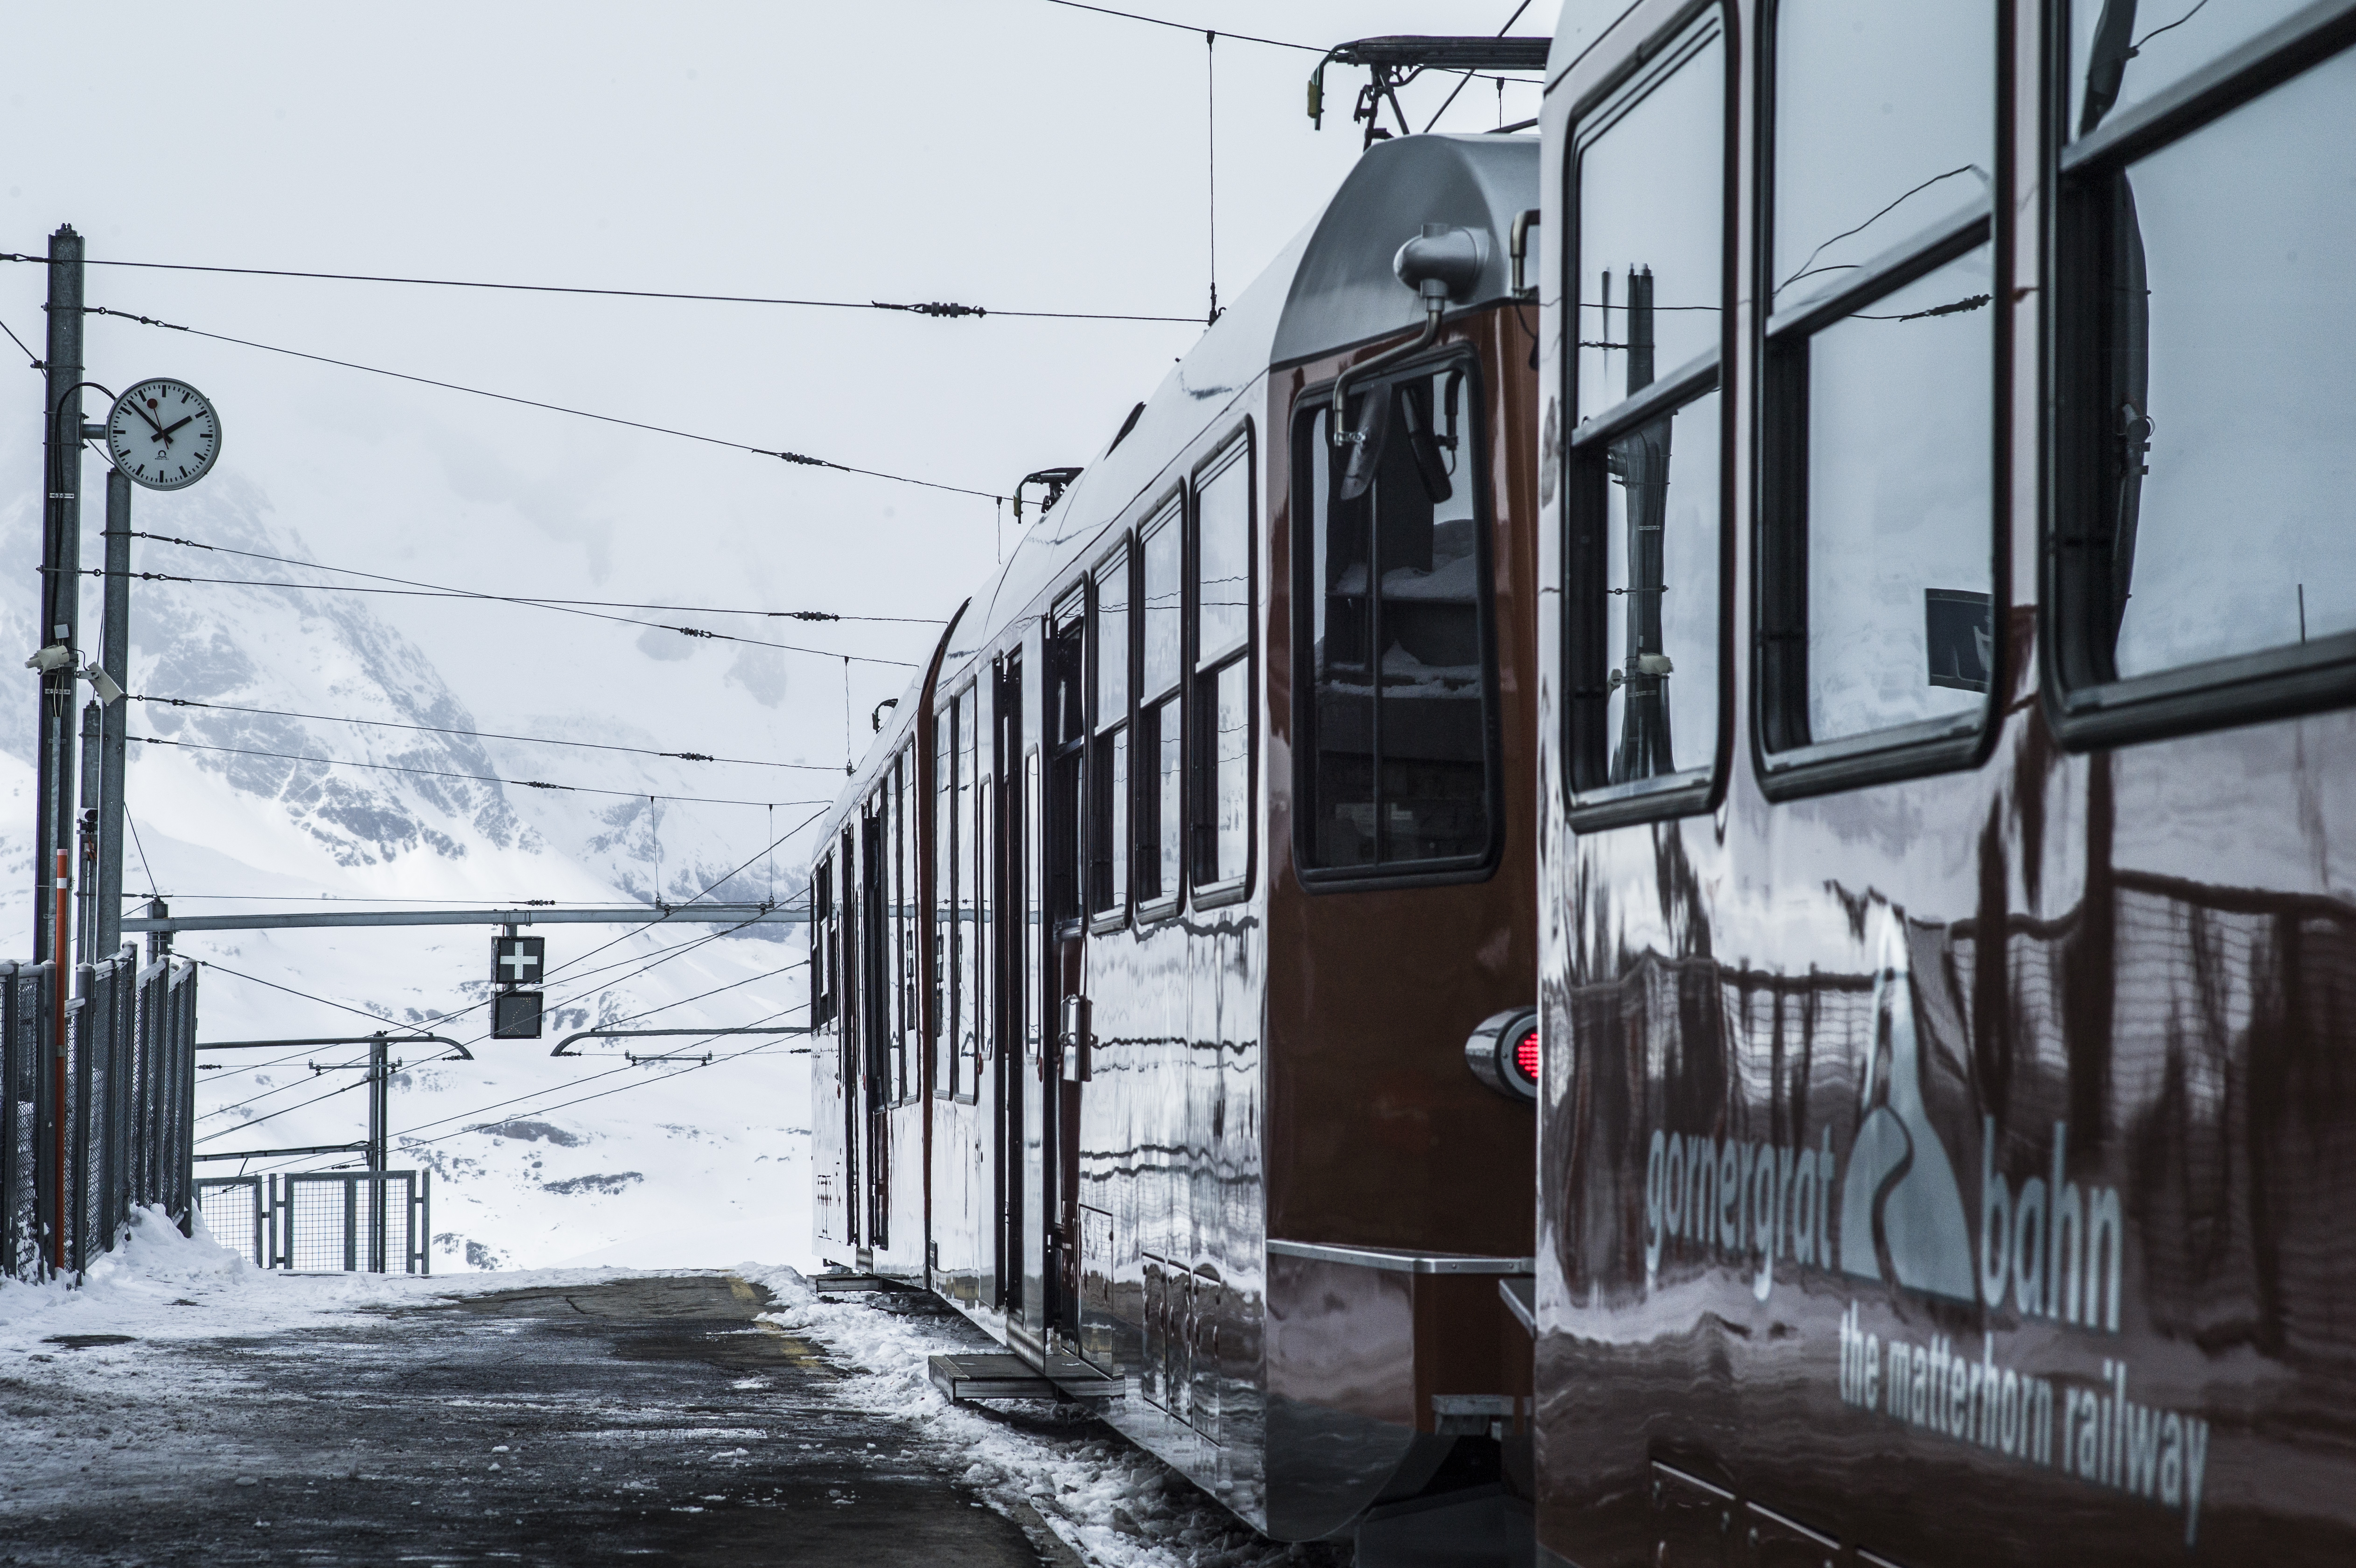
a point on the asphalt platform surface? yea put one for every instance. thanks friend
(640, 1420)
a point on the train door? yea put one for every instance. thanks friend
(875, 1021)
(831, 1158)
(1018, 1076)
(843, 1002)
(1064, 737)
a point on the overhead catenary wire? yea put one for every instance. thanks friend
(452, 773)
(420, 590)
(483, 735)
(1186, 26)
(661, 957)
(1468, 76)
(798, 458)
(1195, 27)
(765, 1048)
(532, 599)
(938, 309)
(30, 357)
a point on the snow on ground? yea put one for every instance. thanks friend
(1111, 1502)
(1114, 1504)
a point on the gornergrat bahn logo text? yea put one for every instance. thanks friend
(1893, 1208)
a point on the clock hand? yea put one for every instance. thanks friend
(166, 432)
(148, 417)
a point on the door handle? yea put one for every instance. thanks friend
(1078, 1045)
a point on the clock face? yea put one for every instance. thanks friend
(163, 434)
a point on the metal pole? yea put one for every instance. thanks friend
(85, 929)
(58, 1057)
(377, 1120)
(114, 658)
(61, 589)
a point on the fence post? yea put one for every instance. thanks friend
(183, 1063)
(47, 1211)
(16, 1174)
(79, 1034)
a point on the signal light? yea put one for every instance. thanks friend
(1504, 1053)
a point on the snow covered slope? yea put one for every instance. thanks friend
(537, 1160)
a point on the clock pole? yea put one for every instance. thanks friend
(114, 658)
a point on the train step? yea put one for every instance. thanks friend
(853, 1284)
(1004, 1376)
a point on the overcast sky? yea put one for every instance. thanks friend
(1013, 153)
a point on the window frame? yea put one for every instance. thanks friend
(2085, 706)
(822, 927)
(1096, 781)
(1787, 765)
(1171, 510)
(1584, 661)
(977, 852)
(1303, 423)
(941, 912)
(1075, 602)
(1199, 680)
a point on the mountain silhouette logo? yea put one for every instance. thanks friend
(1901, 1213)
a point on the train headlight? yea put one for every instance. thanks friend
(1504, 1053)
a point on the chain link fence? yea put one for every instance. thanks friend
(90, 1133)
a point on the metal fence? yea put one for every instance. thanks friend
(324, 1221)
(87, 1136)
(235, 1213)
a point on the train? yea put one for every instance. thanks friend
(1147, 938)
(1948, 963)
(1843, 1062)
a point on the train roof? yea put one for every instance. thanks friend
(1330, 289)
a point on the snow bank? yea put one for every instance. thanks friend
(1114, 1503)
(159, 1285)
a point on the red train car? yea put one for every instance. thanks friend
(1150, 936)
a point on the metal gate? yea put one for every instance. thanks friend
(235, 1213)
(375, 1221)
(324, 1221)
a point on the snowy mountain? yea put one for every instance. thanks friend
(252, 795)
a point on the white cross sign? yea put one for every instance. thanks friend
(516, 961)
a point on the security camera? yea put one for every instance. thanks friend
(102, 682)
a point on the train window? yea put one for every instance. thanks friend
(2205, 568)
(2122, 59)
(1644, 534)
(1067, 736)
(974, 906)
(1648, 260)
(822, 936)
(1160, 708)
(1108, 768)
(946, 936)
(1223, 704)
(1876, 627)
(1395, 749)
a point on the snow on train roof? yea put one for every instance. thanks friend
(1330, 289)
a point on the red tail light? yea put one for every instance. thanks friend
(1504, 1053)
